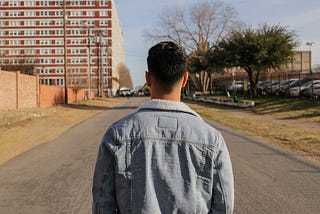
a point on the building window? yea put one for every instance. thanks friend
(46, 51)
(59, 13)
(30, 13)
(59, 32)
(59, 23)
(90, 13)
(104, 3)
(59, 51)
(14, 3)
(29, 42)
(59, 3)
(45, 22)
(29, 32)
(14, 52)
(76, 13)
(59, 70)
(28, 3)
(29, 23)
(45, 61)
(59, 42)
(90, 2)
(60, 82)
(15, 13)
(44, 3)
(15, 42)
(46, 81)
(14, 23)
(104, 23)
(104, 13)
(59, 60)
(30, 51)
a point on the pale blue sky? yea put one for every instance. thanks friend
(301, 16)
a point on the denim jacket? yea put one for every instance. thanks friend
(163, 159)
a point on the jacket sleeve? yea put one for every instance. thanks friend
(223, 186)
(103, 190)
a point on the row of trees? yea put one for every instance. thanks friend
(25, 65)
(216, 41)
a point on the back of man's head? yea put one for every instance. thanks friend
(167, 63)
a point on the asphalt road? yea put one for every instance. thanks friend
(56, 177)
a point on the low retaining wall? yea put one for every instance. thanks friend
(221, 101)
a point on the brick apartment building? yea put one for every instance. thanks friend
(32, 32)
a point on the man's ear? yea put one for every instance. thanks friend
(185, 79)
(148, 78)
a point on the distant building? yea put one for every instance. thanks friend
(33, 31)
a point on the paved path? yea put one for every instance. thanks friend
(269, 179)
(56, 177)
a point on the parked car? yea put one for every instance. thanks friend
(125, 92)
(307, 92)
(281, 87)
(296, 89)
(284, 86)
(236, 86)
(262, 86)
(316, 90)
(271, 87)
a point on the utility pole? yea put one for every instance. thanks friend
(89, 61)
(101, 63)
(310, 66)
(65, 52)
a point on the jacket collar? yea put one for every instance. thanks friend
(168, 105)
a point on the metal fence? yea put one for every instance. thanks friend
(239, 83)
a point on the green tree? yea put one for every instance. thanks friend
(256, 50)
(201, 66)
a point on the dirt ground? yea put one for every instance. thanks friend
(22, 130)
(297, 131)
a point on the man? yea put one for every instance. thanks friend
(163, 158)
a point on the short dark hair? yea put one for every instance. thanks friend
(167, 62)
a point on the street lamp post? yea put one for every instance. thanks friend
(310, 66)
(65, 51)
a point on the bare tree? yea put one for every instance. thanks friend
(202, 24)
(197, 29)
(24, 64)
(77, 84)
(124, 76)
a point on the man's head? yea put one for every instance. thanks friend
(167, 64)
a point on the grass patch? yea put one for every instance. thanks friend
(293, 124)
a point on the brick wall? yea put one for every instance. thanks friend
(74, 96)
(51, 95)
(27, 91)
(18, 91)
(8, 99)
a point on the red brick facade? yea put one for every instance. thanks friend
(33, 30)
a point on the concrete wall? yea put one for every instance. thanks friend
(19, 91)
